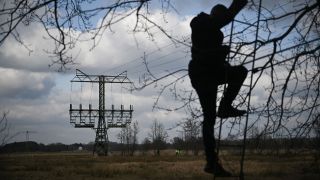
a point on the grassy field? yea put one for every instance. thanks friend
(70, 166)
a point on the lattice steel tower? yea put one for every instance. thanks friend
(86, 118)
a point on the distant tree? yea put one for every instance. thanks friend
(146, 145)
(4, 129)
(5, 134)
(128, 138)
(158, 136)
(121, 136)
(125, 137)
(254, 136)
(191, 128)
(177, 143)
(316, 127)
(135, 131)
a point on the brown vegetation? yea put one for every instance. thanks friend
(167, 166)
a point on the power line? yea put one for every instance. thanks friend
(150, 61)
(161, 64)
(139, 66)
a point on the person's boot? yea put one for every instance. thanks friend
(217, 170)
(226, 111)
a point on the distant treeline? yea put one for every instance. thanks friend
(30, 146)
(256, 145)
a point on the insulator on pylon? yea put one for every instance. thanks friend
(87, 118)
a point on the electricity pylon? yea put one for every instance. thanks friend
(28, 134)
(86, 118)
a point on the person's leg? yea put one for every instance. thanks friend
(207, 98)
(234, 77)
(207, 93)
(208, 103)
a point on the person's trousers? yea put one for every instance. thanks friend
(207, 93)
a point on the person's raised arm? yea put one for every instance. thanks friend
(233, 10)
(236, 7)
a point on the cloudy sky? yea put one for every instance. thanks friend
(37, 97)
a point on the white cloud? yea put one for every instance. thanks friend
(14, 55)
(38, 99)
(23, 84)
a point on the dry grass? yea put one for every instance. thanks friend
(69, 166)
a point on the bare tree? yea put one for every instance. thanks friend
(67, 22)
(128, 138)
(5, 134)
(122, 138)
(254, 136)
(280, 47)
(316, 127)
(135, 131)
(4, 129)
(146, 145)
(178, 143)
(292, 67)
(158, 136)
(191, 128)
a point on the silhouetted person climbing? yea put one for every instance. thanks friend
(208, 69)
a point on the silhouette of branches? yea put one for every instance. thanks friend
(5, 134)
(286, 71)
(67, 22)
(293, 93)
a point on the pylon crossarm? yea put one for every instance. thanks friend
(100, 119)
(86, 117)
(82, 77)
